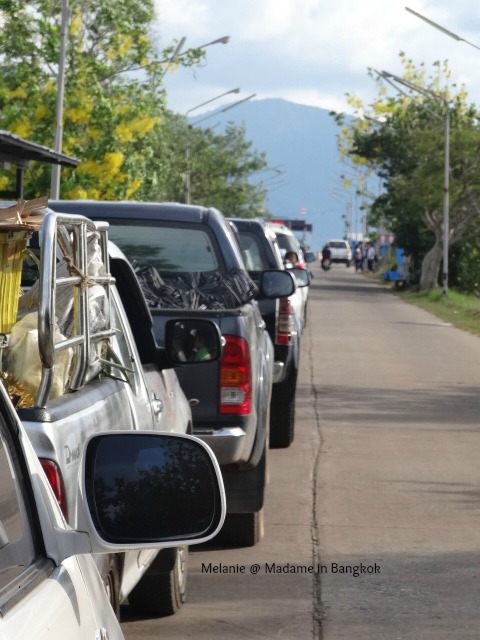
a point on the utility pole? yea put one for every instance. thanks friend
(55, 184)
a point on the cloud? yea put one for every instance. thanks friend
(314, 50)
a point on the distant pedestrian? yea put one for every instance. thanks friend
(358, 257)
(364, 256)
(371, 255)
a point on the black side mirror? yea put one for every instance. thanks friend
(146, 487)
(276, 283)
(192, 341)
(301, 276)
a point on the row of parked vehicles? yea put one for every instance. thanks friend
(147, 377)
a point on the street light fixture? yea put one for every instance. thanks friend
(212, 100)
(227, 108)
(187, 148)
(442, 29)
(391, 78)
(178, 49)
(222, 40)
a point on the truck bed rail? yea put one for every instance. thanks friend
(65, 237)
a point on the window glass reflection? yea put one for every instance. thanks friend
(153, 488)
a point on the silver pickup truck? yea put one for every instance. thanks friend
(81, 359)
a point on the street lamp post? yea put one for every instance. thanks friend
(55, 179)
(187, 147)
(391, 79)
(442, 29)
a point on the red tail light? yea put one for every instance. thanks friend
(285, 324)
(235, 377)
(56, 482)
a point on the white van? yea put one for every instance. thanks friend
(340, 251)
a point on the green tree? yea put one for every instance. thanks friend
(221, 167)
(112, 99)
(115, 120)
(404, 144)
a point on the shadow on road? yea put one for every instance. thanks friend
(344, 403)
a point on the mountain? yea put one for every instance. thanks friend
(301, 148)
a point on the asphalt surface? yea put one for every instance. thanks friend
(372, 519)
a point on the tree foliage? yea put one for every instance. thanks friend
(115, 119)
(220, 167)
(222, 164)
(402, 139)
(107, 111)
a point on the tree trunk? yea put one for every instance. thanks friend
(431, 266)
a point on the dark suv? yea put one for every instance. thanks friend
(261, 251)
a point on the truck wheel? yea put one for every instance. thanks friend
(111, 581)
(242, 529)
(162, 594)
(282, 417)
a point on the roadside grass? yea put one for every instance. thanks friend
(461, 310)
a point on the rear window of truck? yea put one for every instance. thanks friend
(169, 249)
(253, 254)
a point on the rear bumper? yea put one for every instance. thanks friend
(279, 370)
(286, 358)
(228, 443)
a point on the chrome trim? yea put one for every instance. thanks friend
(227, 443)
(278, 371)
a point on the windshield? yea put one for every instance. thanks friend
(252, 252)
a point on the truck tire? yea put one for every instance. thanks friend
(246, 529)
(242, 529)
(282, 416)
(111, 581)
(162, 594)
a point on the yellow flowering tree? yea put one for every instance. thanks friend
(112, 102)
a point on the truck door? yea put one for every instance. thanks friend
(129, 368)
(38, 599)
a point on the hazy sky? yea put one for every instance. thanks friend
(313, 52)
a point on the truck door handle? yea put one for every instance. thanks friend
(157, 407)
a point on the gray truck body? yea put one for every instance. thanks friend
(239, 441)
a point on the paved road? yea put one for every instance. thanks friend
(383, 476)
